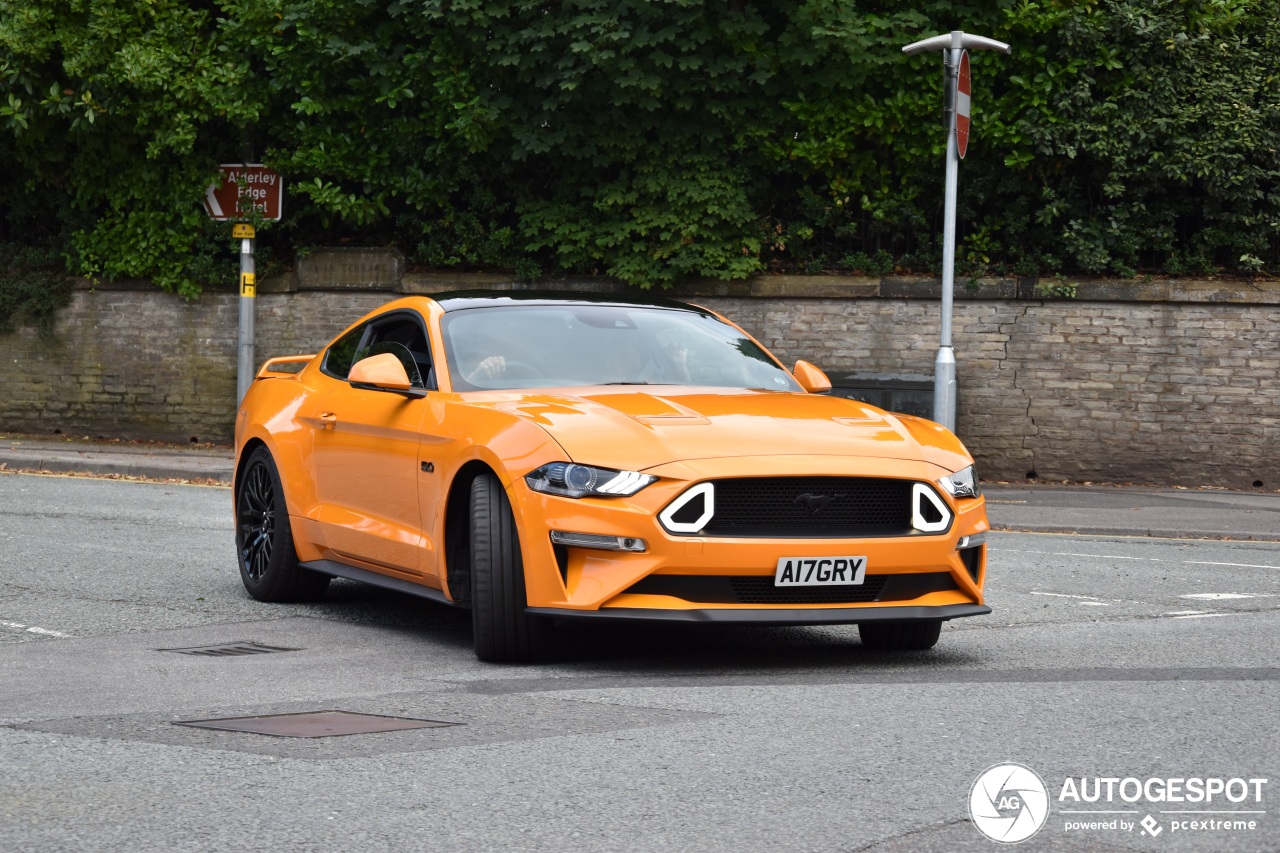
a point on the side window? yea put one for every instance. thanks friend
(402, 335)
(342, 353)
(401, 352)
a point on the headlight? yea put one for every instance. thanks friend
(571, 480)
(962, 484)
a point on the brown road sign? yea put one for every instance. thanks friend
(246, 189)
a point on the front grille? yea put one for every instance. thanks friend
(817, 507)
(758, 589)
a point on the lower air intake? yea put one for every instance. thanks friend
(759, 589)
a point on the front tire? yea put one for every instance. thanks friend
(264, 541)
(900, 636)
(503, 631)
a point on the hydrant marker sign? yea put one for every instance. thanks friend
(246, 190)
(964, 89)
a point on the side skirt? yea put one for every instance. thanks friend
(342, 570)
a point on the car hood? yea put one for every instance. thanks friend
(635, 429)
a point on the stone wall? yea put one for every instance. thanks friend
(1169, 393)
(1169, 383)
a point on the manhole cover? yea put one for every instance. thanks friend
(226, 650)
(315, 724)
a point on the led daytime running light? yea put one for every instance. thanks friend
(571, 480)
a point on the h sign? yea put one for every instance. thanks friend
(246, 190)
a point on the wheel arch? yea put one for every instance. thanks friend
(242, 462)
(457, 530)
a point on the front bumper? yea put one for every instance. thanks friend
(930, 578)
(774, 616)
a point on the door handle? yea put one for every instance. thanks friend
(328, 420)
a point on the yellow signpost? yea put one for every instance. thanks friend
(245, 191)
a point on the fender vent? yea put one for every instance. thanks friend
(228, 650)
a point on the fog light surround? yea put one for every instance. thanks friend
(925, 499)
(973, 540)
(703, 492)
(598, 541)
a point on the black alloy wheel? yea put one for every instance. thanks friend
(264, 541)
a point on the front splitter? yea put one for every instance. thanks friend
(773, 617)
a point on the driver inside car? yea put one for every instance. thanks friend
(626, 364)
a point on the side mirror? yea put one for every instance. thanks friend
(811, 378)
(383, 372)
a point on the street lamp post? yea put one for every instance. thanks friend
(956, 103)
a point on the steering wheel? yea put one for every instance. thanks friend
(521, 370)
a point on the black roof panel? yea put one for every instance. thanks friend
(460, 300)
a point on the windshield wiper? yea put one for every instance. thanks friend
(637, 383)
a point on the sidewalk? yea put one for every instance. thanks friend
(1092, 510)
(1135, 511)
(117, 459)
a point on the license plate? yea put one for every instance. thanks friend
(820, 571)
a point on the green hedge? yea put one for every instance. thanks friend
(649, 141)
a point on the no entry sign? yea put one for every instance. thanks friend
(963, 88)
(246, 190)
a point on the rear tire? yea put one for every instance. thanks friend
(503, 631)
(900, 636)
(264, 541)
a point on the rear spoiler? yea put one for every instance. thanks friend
(284, 367)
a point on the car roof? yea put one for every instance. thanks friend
(461, 300)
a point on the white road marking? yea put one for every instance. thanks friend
(1065, 595)
(1216, 596)
(31, 630)
(1144, 559)
(1217, 811)
(1093, 604)
(1104, 556)
(1183, 613)
(1203, 615)
(1073, 554)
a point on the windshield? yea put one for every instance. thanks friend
(554, 346)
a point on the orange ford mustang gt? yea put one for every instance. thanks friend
(542, 456)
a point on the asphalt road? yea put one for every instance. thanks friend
(1105, 657)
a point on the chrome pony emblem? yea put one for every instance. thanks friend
(815, 503)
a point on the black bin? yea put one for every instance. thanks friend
(908, 393)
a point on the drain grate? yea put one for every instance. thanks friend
(227, 650)
(315, 724)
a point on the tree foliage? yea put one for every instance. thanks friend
(650, 141)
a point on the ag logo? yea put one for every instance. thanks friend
(1008, 803)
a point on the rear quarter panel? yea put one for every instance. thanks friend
(270, 415)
